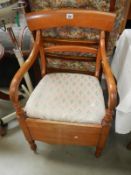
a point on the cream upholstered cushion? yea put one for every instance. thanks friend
(67, 97)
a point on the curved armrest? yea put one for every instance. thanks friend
(111, 85)
(20, 73)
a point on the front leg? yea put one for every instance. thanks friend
(129, 146)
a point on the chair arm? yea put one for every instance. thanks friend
(23, 69)
(111, 85)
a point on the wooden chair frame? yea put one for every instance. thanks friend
(65, 132)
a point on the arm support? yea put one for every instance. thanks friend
(111, 85)
(20, 73)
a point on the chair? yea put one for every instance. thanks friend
(67, 107)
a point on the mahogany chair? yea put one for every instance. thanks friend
(67, 107)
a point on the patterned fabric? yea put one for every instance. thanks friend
(67, 97)
(73, 65)
(101, 5)
(87, 4)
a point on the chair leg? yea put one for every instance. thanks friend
(33, 146)
(29, 139)
(102, 140)
(98, 151)
(31, 142)
(3, 129)
(129, 146)
(27, 133)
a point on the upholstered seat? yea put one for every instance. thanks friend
(67, 97)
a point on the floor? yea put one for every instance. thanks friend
(17, 158)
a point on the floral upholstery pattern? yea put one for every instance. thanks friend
(67, 97)
(102, 5)
(78, 33)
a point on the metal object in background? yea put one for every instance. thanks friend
(1, 51)
(9, 13)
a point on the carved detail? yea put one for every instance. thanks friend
(107, 119)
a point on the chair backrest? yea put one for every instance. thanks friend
(46, 19)
(70, 17)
